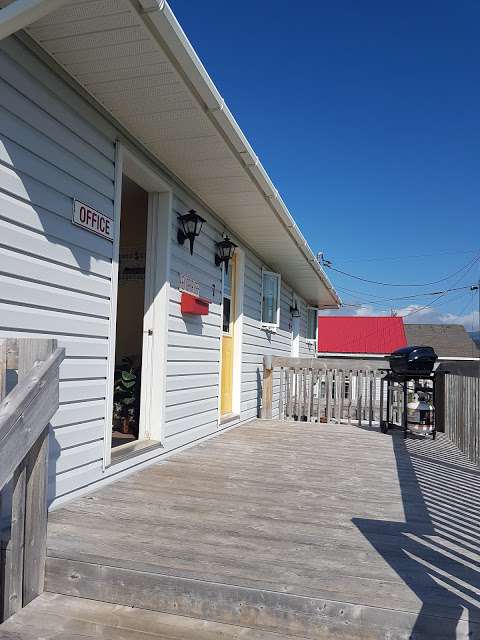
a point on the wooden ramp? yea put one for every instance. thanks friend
(307, 530)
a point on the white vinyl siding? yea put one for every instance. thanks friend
(55, 278)
(193, 371)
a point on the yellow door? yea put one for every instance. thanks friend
(227, 346)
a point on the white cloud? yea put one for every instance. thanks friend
(413, 314)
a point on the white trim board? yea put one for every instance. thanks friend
(157, 284)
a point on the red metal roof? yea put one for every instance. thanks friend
(347, 334)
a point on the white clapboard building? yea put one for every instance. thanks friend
(111, 132)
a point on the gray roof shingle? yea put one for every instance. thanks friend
(448, 340)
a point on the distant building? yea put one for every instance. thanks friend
(360, 337)
(373, 337)
(450, 341)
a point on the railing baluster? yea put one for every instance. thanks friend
(370, 398)
(280, 397)
(350, 396)
(319, 394)
(342, 394)
(359, 397)
(290, 394)
(328, 396)
(380, 417)
(309, 374)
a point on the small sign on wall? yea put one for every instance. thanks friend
(91, 220)
(131, 264)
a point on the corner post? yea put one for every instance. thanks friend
(267, 396)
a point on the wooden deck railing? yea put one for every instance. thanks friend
(31, 367)
(459, 394)
(322, 389)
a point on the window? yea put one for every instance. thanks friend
(270, 299)
(312, 324)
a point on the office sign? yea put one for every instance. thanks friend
(91, 220)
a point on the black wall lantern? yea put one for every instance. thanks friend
(225, 250)
(191, 225)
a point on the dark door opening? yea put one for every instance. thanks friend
(126, 422)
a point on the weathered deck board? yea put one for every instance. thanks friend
(56, 617)
(338, 527)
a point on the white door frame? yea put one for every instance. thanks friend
(157, 286)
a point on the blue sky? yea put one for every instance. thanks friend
(366, 116)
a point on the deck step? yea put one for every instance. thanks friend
(57, 617)
(266, 611)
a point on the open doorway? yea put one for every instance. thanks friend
(136, 397)
(127, 421)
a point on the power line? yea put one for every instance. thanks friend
(416, 295)
(441, 295)
(435, 304)
(328, 264)
(374, 332)
(375, 303)
(421, 255)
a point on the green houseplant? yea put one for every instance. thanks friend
(126, 397)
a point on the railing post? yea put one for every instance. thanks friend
(267, 395)
(35, 548)
(24, 553)
(13, 548)
(280, 397)
(359, 397)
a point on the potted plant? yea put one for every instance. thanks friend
(126, 397)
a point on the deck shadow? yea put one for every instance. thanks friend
(438, 554)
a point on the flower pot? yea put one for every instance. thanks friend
(124, 425)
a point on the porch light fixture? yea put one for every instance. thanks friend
(191, 225)
(225, 250)
(294, 310)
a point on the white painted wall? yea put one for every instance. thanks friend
(55, 277)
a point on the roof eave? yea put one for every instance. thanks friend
(162, 23)
(19, 14)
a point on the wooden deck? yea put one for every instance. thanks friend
(311, 530)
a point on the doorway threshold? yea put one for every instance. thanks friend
(228, 417)
(131, 449)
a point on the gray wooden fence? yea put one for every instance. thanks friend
(29, 373)
(461, 412)
(323, 390)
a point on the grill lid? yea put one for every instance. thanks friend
(415, 360)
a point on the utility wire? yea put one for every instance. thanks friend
(441, 295)
(352, 340)
(416, 295)
(389, 309)
(328, 264)
(421, 255)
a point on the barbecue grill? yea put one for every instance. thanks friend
(413, 361)
(411, 365)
